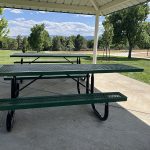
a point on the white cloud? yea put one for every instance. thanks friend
(42, 12)
(7, 9)
(148, 17)
(87, 16)
(16, 11)
(20, 19)
(54, 28)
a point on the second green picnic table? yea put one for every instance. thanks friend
(36, 56)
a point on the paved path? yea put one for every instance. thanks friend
(138, 93)
(134, 54)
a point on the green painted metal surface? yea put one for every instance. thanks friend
(61, 69)
(47, 55)
(63, 100)
(40, 62)
(46, 77)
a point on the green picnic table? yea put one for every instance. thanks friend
(39, 70)
(47, 55)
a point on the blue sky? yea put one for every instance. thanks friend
(20, 22)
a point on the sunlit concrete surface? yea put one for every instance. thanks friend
(143, 55)
(138, 93)
(76, 127)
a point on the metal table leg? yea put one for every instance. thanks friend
(87, 83)
(106, 109)
(79, 60)
(78, 85)
(21, 81)
(11, 113)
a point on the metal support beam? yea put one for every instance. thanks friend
(94, 3)
(74, 7)
(47, 6)
(96, 34)
(114, 4)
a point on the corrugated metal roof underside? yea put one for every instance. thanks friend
(103, 7)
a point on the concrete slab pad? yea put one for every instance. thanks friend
(74, 127)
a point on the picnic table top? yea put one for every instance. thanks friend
(47, 55)
(61, 69)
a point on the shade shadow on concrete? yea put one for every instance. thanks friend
(70, 127)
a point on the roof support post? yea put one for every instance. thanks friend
(96, 35)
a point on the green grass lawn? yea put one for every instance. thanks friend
(137, 62)
(142, 63)
(4, 56)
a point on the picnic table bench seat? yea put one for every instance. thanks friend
(42, 61)
(59, 100)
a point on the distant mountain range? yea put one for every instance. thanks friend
(89, 37)
(86, 37)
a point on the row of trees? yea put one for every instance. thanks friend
(126, 28)
(39, 40)
(14, 44)
(44, 42)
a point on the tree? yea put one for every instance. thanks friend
(5, 43)
(63, 41)
(120, 45)
(90, 43)
(126, 24)
(143, 38)
(12, 44)
(56, 44)
(25, 44)
(107, 35)
(100, 42)
(9, 43)
(47, 41)
(72, 37)
(38, 37)
(3, 26)
(19, 41)
(70, 44)
(80, 42)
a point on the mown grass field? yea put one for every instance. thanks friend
(142, 63)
